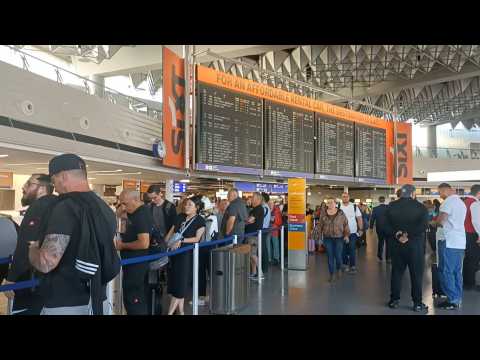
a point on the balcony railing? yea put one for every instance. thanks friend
(64, 77)
(446, 153)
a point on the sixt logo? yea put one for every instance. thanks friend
(176, 102)
(402, 155)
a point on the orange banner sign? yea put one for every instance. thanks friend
(173, 109)
(404, 153)
(296, 214)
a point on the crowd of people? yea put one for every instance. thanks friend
(73, 242)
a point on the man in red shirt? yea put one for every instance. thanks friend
(276, 222)
(472, 229)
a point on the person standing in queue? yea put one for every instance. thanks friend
(254, 224)
(233, 220)
(378, 218)
(452, 216)
(135, 242)
(355, 223)
(37, 195)
(163, 213)
(472, 229)
(76, 258)
(188, 229)
(406, 220)
(333, 227)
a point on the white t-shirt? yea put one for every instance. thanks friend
(351, 215)
(454, 227)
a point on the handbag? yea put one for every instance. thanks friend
(178, 236)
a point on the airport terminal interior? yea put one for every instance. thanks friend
(272, 145)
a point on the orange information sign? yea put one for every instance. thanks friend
(296, 214)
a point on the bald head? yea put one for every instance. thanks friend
(130, 199)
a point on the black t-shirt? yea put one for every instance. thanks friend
(139, 222)
(31, 229)
(63, 285)
(191, 231)
(258, 213)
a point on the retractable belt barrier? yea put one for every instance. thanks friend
(125, 262)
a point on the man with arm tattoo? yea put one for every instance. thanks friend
(80, 223)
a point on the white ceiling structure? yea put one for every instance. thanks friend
(432, 84)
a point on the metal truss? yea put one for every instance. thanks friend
(344, 69)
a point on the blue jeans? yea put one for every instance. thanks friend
(349, 251)
(334, 248)
(275, 246)
(441, 247)
(452, 274)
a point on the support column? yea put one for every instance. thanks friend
(432, 140)
(98, 86)
(169, 190)
(345, 189)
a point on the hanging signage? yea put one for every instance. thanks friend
(403, 153)
(261, 187)
(179, 187)
(173, 109)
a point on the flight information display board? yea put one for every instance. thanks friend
(229, 131)
(289, 141)
(334, 148)
(371, 157)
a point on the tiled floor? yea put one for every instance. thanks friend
(366, 293)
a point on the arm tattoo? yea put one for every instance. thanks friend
(49, 255)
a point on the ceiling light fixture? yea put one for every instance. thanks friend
(3, 156)
(185, 181)
(106, 171)
(122, 174)
(27, 164)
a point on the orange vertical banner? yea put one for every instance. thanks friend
(296, 214)
(173, 109)
(403, 153)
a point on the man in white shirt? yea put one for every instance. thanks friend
(472, 232)
(355, 223)
(451, 251)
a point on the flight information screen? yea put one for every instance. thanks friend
(229, 131)
(371, 156)
(289, 141)
(334, 148)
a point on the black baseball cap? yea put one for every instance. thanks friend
(66, 162)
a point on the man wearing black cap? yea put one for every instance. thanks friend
(76, 257)
(406, 221)
(37, 195)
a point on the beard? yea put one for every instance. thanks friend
(28, 199)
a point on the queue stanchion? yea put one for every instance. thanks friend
(9, 306)
(282, 249)
(195, 278)
(259, 264)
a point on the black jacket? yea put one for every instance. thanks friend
(407, 215)
(378, 216)
(96, 249)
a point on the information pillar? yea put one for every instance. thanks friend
(297, 235)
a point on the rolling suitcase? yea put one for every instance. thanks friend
(311, 245)
(436, 288)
